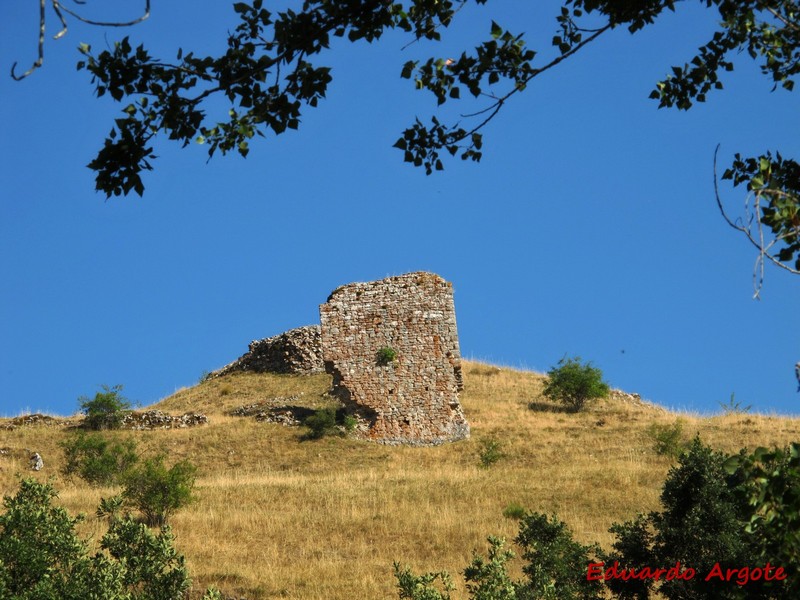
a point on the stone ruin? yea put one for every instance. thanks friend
(295, 351)
(392, 349)
(156, 419)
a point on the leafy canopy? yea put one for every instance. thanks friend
(573, 383)
(273, 69)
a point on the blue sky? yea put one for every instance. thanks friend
(589, 228)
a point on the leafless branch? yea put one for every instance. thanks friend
(754, 214)
(60, 9)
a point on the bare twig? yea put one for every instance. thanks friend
(60, 9)
(754, 215)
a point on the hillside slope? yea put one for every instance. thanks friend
(277, 517)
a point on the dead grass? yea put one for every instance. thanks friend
(280, 518)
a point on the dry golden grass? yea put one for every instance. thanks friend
(277, 517)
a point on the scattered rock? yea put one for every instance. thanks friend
(275, 410)
(296, 351)
(37, 464)
(634, 399)
(155, 419)
(34, 419)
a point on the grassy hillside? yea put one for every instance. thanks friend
(277, 517)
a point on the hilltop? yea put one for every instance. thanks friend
(277, 517)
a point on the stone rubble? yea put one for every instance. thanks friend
(297, 351)
(33, 419)
(156, 419)
(275, 410)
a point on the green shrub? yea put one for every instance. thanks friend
(573, 383)
(97, 460)
(157, 491)
(328, 421)
(40, 554)
(349, 422)
(422, 587)
(770, 484)
(555, 564)
(106, 410)
(668, 440)
(514, 511)
(386, 356)
(555, 569)
(490, 452)
(42, 558)
(487, 578)
(152, 566)
(702, 523)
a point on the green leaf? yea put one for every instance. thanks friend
(497, 31)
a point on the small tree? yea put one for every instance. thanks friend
(157, 491)
(97, 460)
(573, 383)
(42, 558)
(106, 410)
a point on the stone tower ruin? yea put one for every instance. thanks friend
(392, 349)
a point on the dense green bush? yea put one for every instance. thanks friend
(42, 558)
(771, 490)
(386, 356)
(718, 513)
(157, 491)
(555, 564)
(573, 383)
(106, 410)
(98, 460)
(328, 421)
(702, 522)
(555, 568)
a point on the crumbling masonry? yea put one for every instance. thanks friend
(392, 349)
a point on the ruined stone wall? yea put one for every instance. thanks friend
(294, 351)
(412, 399)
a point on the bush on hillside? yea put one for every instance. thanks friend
(328, 421)
(668, 440)
(157, 491)
(573, 383)
(555, 568)
(97, 460)
(491, 452)
(718, 513)
(42, 558)
(106, 410)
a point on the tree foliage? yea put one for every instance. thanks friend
(573, 383)
(97, 459)
(717, 512)
(106, 410)
(157, 491)
(42, 557)
(272, 70)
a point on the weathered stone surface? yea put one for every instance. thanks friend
(275, 410)
(155, 419)
(412, 399)
(30, 420)
(295, 351)
(37, 464)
